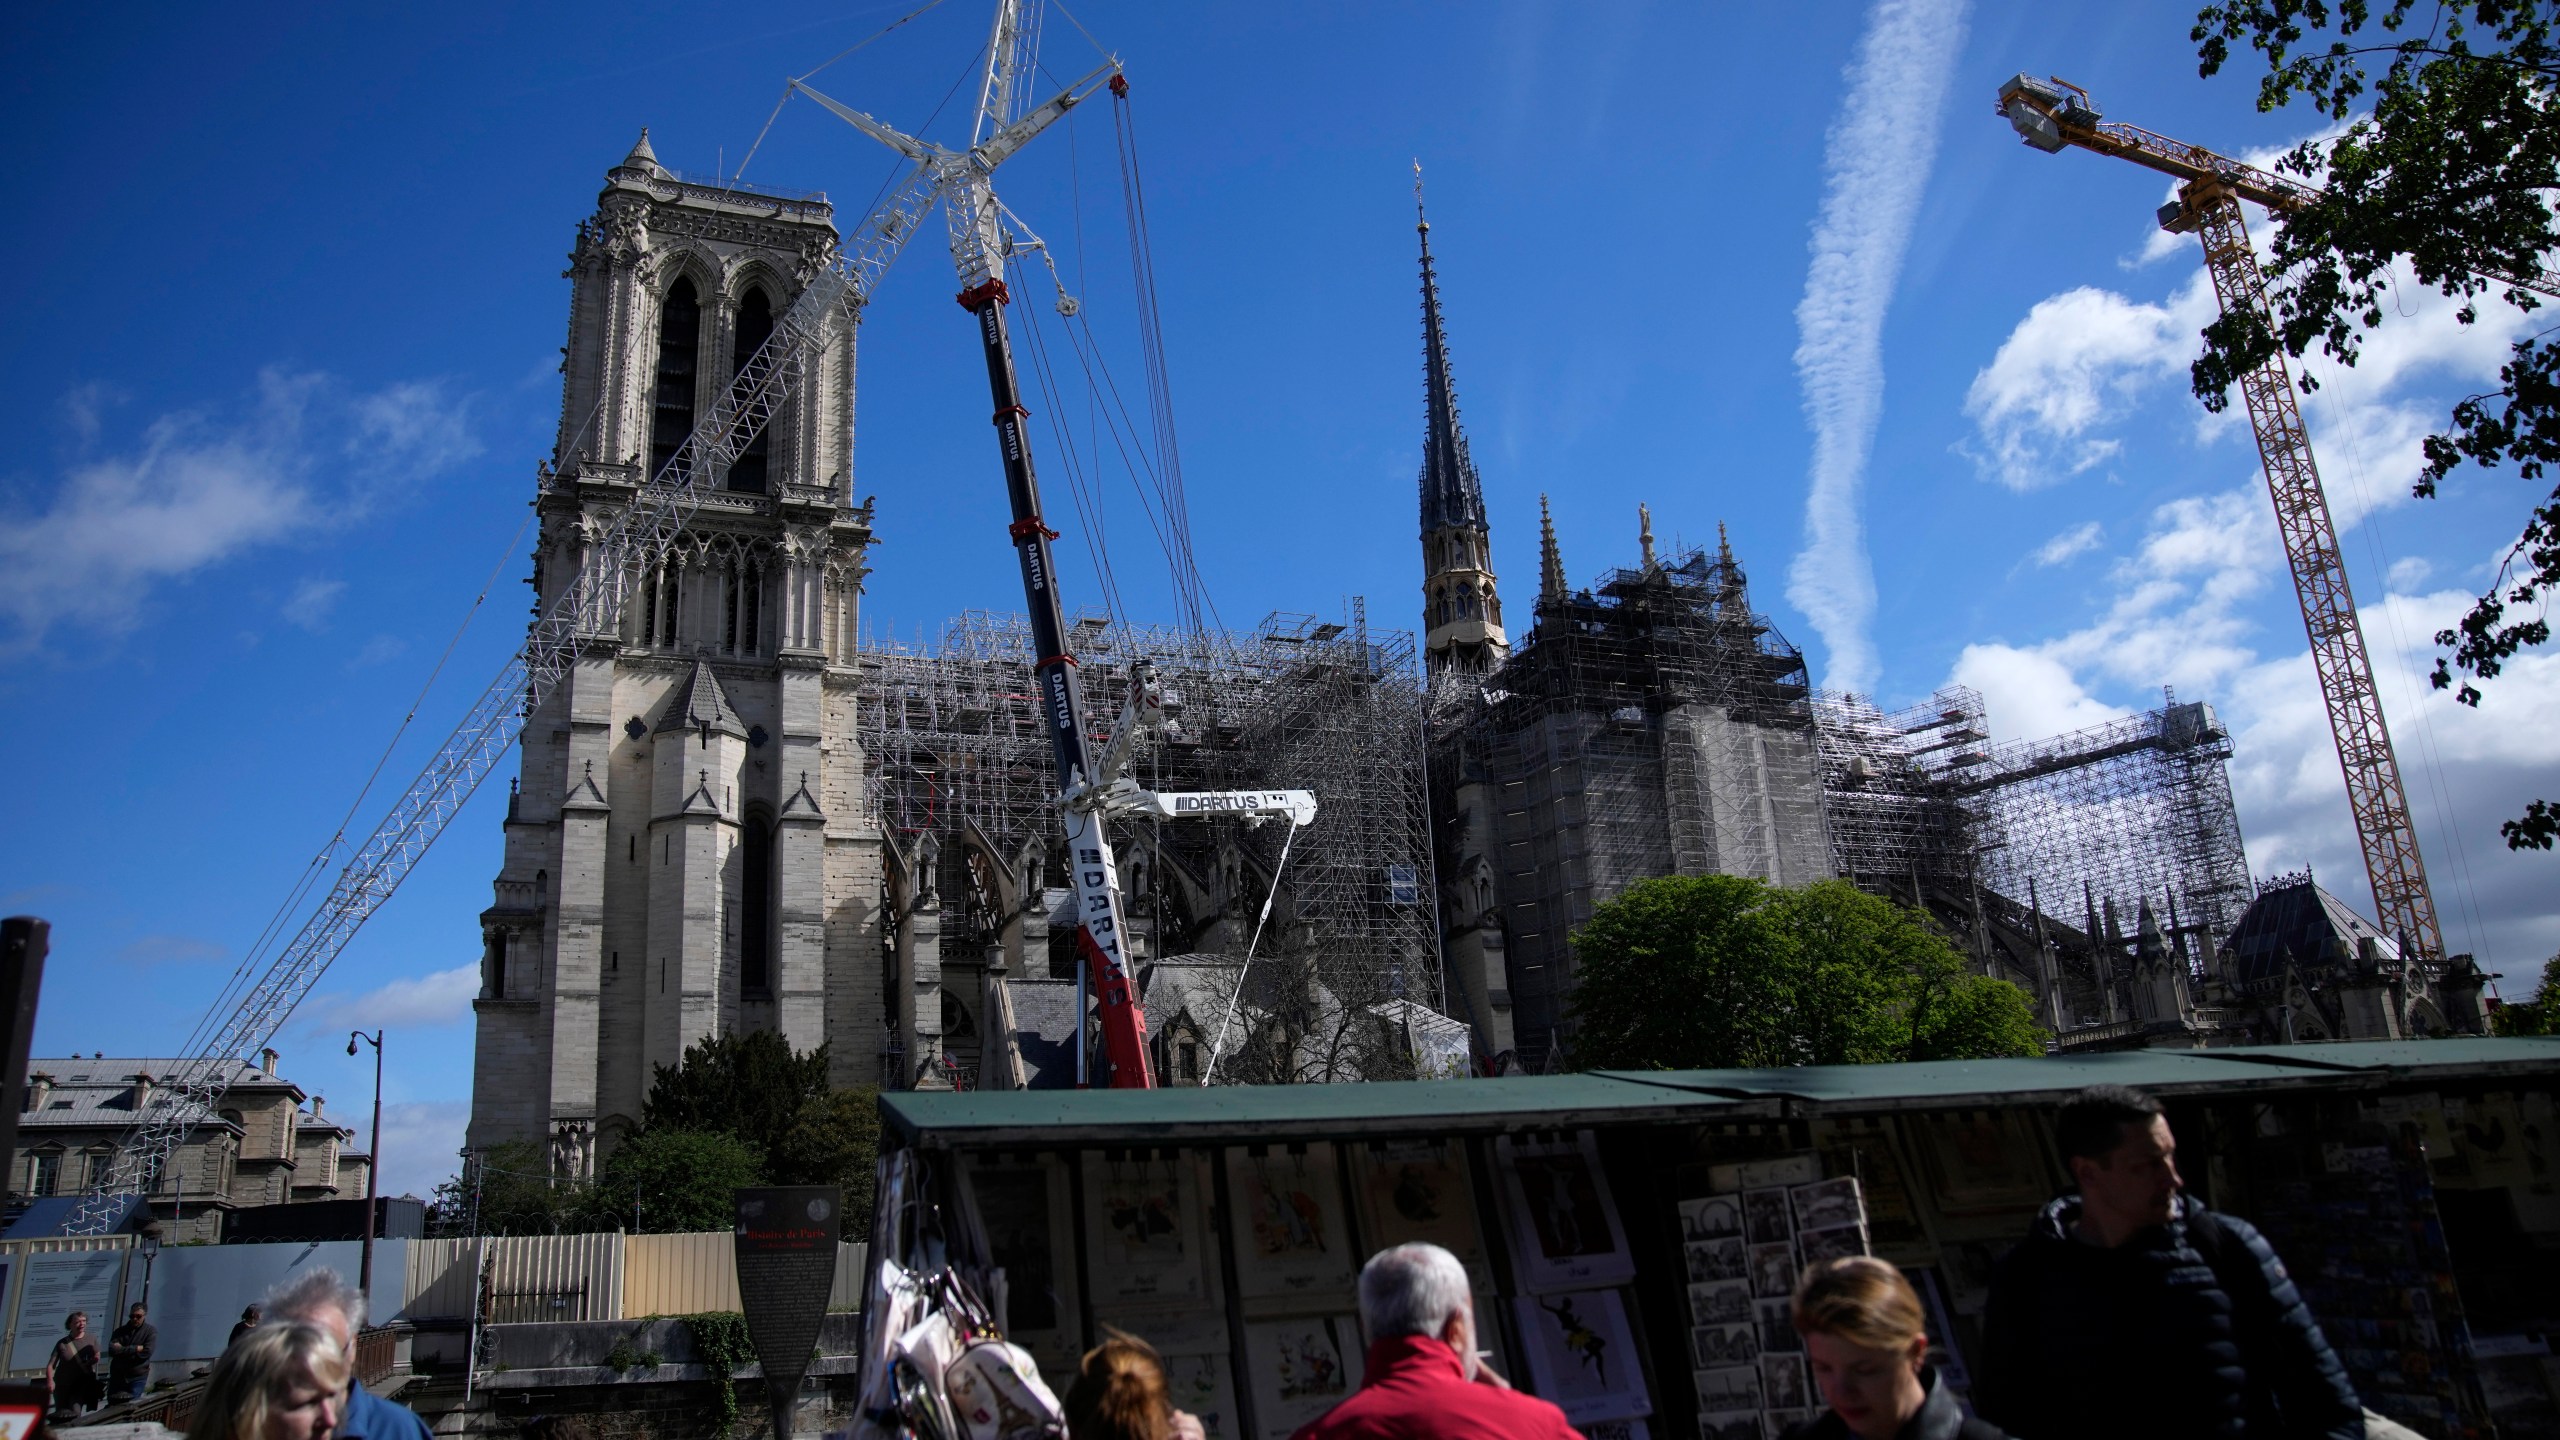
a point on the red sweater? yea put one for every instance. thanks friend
(1416, 1390)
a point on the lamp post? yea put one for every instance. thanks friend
(373, 1166)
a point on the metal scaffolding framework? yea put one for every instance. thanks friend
(954, 733)
(1890, 781)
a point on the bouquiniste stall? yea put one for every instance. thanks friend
(1632, 1235)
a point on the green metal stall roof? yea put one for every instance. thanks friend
(1049, 1118)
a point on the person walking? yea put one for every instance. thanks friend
(71, 1371)
(282, 1382)
(1119, 1394)
(319, 1298)
(2131, 1310)
(1424, 1379)
(248, 1322)
(1869, 1352)
(129, 1356)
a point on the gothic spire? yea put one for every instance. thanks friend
(1550, 559)
(1451, 493)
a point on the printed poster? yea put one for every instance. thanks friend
(1300, 1369)
(1201, 1385)
(1421, 1191)
(1142, 1228)
(1289, 1236)
(1564, 1225)
(57, 1283)
(1022, 1208)
(1987, 1162)
(1581, 1354)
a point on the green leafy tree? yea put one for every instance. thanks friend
(2453, 169)
(516, 1195)
(834, 1140)
(1713, 971)
(2537, 1016)
(779, 1105)
(662, 1181)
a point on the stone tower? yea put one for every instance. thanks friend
(1462, 614)
(687, 851)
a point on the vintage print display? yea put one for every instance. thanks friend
(1773, 1270)
(1024, 1211)
(1782, 1382)
(1820, 1245)
(1720, 1302)
(1777, 1328)
(1987, 1162)
(1734, 1387)
(1867, 1149)
(1711, 1346)
(1289, 1237)
(1582, 1354)
(1730, 1425)
(1201, 1385)
(1759, 1174)
(1827, 1203)
(1710, 1217)
(1142, 1228)
(1781, 1421)
(1565, 1229)
(1299, 1369)
(1765, 1216)
(1725, 1259)
(1420, 1190)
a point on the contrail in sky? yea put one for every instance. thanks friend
(1875, 168)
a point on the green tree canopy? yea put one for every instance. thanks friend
(1718, 971)
(2454, 169)
(664, 1180)
(2537, 1016)
(779, 1105)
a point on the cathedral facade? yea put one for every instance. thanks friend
(687, 852)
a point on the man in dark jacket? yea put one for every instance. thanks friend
(2131, 1310)
(129, 1356)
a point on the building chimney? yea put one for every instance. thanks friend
(141, 1091)
(39, 1090)
(271, 1057)
(318, 1102)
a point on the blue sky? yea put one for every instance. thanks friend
(289, 307)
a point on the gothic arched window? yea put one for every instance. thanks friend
(755, 325)
(679, 338)
(755, 920)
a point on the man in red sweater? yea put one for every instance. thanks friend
(1424, 1379)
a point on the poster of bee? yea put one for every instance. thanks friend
(1581, 1354)
(1142, 1227)
(1564, 1226)
(1023, 1210)
(1289, 1237)
(1420, 1190)
(1300, 1369)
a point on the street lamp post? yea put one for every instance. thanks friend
(373, 1166)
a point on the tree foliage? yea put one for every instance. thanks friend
(2537, 1016)
(778, 1103)
(667, 1181)
(2453, 171)
(1716, 971)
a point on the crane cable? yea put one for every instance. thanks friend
(740, 173)
(1211, 1069)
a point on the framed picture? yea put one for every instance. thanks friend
(1709, 1260)
(1581, 1354)
(1201, 1385)
(1023, 1210)
(1710, 1217)
(1765, 1216)
(1300, 1369)
(1720, 1302)
(1143, 1229)
(1983, 1162)
(1773, 1271)
(1420, 1191)
(1565, 1229)
(1289, 1237)
(1831, 1244)
(1782, 1382)
(1735, 1387)
(1827, 1203)
(1714, 1346)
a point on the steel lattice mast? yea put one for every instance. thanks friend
(2052, 115)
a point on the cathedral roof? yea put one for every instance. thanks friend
(641, 156)
(2294, 921)
(702, 705)
(1451, 492)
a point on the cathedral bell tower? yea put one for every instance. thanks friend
(687, 852)
(1462, 614)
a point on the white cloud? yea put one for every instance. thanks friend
(1876, 166)
(2027, 694)
(2070, 544)
(2409, 572)
(310, 603)
(195, 491)
(2070, 369)
(441, 998)
(376, 650)
(421, 1143)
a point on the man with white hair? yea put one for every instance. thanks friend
(1424, 1379)
(320, 1299)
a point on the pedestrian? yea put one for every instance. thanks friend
(2131, 1310)
(129, 1356)
(72, 1369)
(1119, 1394)
(1869, 1352)
(281, 1382)
(1425, 1379)
(248, 1322)
(321, 1299)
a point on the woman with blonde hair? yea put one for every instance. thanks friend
(1119, 1394)
(1869, 1352)
(279, 1382)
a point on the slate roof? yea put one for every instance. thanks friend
(91, 1092)
(2303, 924)
(702, 702)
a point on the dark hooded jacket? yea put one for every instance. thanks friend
(2192, 1328)
(1941, 1417)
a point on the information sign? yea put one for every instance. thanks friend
(786, 1254)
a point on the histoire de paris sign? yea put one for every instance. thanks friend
(786, 1253)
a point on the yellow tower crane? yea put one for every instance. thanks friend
(2056, 113)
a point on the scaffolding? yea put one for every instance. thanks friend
(2131, 812)
(1890, 787)
(954, 733)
